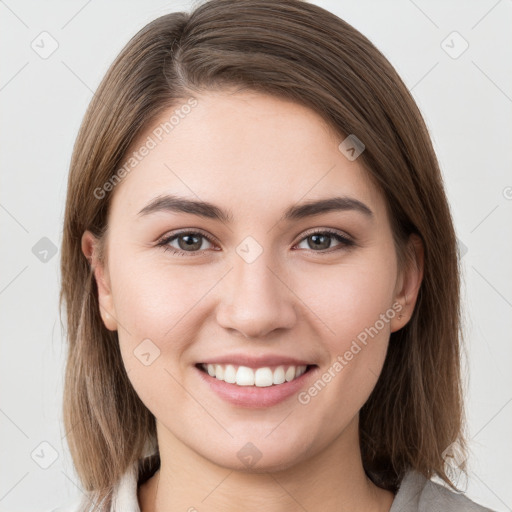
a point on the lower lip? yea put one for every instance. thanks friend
(254, 396)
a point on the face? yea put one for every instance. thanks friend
(246, 283)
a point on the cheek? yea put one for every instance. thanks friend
(351, 297)
(158, 304)
(152, 300)
(159, 309)
(354, 303)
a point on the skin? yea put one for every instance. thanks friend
(255, 155)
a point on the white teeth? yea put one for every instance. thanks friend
(290, 374)
(219, 371)
(244, 376)
(261, 377)
(279, 375)
(230, 374)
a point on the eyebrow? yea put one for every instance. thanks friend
(177, 204)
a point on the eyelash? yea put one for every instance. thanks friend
(345, 242)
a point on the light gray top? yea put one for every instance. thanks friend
(416, 494)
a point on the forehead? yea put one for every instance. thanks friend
(245, 149)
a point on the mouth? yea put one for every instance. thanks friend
(244, 376)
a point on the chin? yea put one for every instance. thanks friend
(256, 462)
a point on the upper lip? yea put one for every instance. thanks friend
(257, 361)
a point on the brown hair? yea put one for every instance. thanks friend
(298, 51)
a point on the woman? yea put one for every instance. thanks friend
(260, 273)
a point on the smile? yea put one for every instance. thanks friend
(259, 377)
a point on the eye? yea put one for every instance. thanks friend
(320, 240)
(189, 242)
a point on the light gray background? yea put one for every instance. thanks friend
(467, 104)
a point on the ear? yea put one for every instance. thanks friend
(90, 248)
(408, 284)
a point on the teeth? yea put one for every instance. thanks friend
(244, 376)
(230, 374)
(261, 377)
(279, 375)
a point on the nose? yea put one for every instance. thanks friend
(256, 299)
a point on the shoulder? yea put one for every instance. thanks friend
(124, 496)
(418, 494)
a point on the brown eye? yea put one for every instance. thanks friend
(320, 241)
(188, 242)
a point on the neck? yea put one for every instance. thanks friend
(332, 480)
